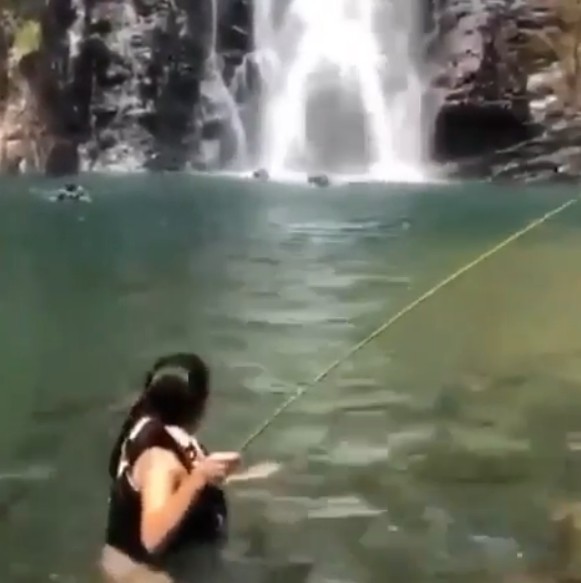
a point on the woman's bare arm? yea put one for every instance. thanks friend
(167, 491)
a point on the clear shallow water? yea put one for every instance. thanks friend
(437, 454)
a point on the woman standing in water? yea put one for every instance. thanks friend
(165, 492)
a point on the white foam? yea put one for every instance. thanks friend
(364, 47)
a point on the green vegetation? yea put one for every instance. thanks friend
(23, 36)
(20, 24)
(27, 37)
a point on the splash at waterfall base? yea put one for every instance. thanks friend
(238, 86)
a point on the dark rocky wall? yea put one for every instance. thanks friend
(480, 84)
(488, 122)
(130, 89)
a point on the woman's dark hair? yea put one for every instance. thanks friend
(175, 393)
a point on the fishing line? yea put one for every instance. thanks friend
(302, 389)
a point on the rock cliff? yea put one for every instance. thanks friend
(135, 83)
(155, 84)
(498, 71)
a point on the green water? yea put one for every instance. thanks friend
(437, 454)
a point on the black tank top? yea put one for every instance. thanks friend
(205, 522)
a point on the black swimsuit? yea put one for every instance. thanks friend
(205, 521)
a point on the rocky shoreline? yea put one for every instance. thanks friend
(95, 83)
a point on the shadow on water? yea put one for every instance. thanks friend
(445, 451)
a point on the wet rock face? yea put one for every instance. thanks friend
(62, 159)
(119, 82)
(480, 84)
(494, 119)
(235, 30)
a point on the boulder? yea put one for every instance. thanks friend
(261, 174)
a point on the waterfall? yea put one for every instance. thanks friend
(340, 90)
(223, 104)
(75, 32)
(307, 87)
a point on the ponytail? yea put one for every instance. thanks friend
(135, 413)
(197, 376)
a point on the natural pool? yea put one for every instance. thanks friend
(437, 454)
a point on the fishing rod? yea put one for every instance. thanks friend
(303, 388)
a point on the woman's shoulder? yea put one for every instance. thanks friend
(158, 459)
(147, 432)
(150, 435)
(153, 448)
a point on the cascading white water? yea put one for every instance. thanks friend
(75, 32)
(214, 86)
(341, 92)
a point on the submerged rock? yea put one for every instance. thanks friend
(480, 456)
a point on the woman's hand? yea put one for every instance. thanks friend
(215, 468)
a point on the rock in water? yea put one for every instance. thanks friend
(72, 192)
(321, 180)
(261, 174)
